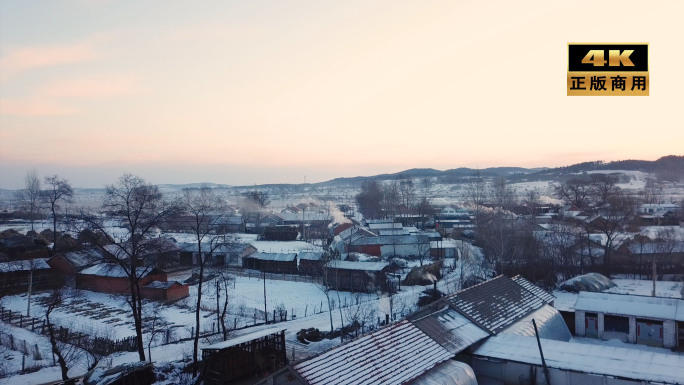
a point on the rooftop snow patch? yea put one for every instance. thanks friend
(634, 364)
(496, 304)
(450, 329)
(24, 265)
(588, 282)
(393, 355)
(631, 305)
(349, 265)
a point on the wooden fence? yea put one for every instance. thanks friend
(99, 346)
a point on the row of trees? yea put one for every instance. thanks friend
(376, 200)
(125, 230)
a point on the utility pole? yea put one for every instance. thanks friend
(546, 369)
(265, 312)
(653, 293)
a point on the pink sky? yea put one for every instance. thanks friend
(271, 91)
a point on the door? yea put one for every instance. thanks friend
(591, 325)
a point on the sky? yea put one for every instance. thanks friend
(253, 92)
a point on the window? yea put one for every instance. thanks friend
(618, 324)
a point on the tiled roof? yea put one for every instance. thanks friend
(393, 355)
(448, 328)
(496, 304)
(536, 290)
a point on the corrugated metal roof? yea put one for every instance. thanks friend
(634, 305)
(536, 290)
(448, 373)
(393, 355)
(637, 364)
(349, 265)
(450, 329)
(549, 323)
(496, 304)
(280, 257)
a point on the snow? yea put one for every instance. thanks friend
(35, 264)
(601, 359)
(632, 305)
(668, 289)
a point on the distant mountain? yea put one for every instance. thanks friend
(669, 167)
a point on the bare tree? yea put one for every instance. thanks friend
(604, 186)
(139, 209)
(54, 301)
(407, 191)
(30, 197)
(612, 220)
(425, 210)
(502, 193)
(260, 198)
(360, 315)
(575, 191)
(203, 210)
(369, 199)
(476, 193)
(57, 190)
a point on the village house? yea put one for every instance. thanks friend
(283, 263)
(112, 278)
(357, 276)
(15, 276)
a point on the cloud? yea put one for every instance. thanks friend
(101, 86)
(28, 107)
(27, 58)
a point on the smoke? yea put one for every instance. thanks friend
(338, 216)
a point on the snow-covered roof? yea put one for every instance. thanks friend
(550, 325)
(406, 239)
(393, 355)
(587, 282)
(310, 255)
(496, 304)
(450, 329)
(279, 257)
(597, 359)
(444, 244)
(536, 290)
(349, 265)
(243, 338)
(161, 285)
(114, 271)
(630, 305)
(448, 373)
(24, 265)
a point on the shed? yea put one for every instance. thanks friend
(258, 353)
(165, 291)
(637, 319)
(310, 262)
(512, 359)
(14, 276)
(112, 278)
(285, 263)
(357, 276)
